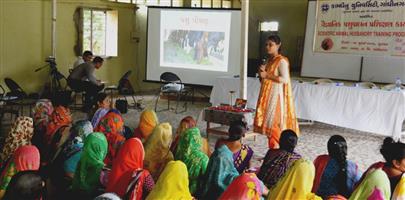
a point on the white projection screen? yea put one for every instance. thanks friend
(196, 44)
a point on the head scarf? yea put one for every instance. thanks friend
(72, 150)
(24, 158)
(60, 117)
(157, 153)
(172, 184)
(189, 151)
(220, 173)
(112, 125)
(20, 134)
(88, 171)
(129, 159)
(246, 187)
(275, 165)
(375, 185)
(147, 122)
(42, 112)
(296, 183)
(185, 123)
(100, 113)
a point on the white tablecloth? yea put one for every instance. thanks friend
(370, 110)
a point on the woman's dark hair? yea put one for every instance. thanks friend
(337, 149)
(288, 140)
(98, 59)
(236, 130)
(392, 150)
(100, 97)
(25, 185)
(276, 39)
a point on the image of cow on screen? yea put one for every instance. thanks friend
(187, 47)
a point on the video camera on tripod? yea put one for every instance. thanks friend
(55, 77)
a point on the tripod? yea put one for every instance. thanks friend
(55, 85)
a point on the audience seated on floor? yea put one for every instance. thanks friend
(242, 154)
(334, 174)
(384, 180)
(55, 156)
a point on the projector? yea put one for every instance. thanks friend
(172, 87)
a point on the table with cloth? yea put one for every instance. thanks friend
(370, 110)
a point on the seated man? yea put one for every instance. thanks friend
(82, 79)
(86, 57)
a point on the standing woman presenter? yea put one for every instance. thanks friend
(275, 106)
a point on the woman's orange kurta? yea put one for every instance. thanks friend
(275, 107)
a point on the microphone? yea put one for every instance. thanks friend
(264, 61)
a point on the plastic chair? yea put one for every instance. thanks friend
(15, 89)
(391, 87)
(125, 89)
(367, 85)
(181, 92)
(323, 81)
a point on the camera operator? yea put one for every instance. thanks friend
(82, 79)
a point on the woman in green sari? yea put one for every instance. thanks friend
(87, 176)
(189, 151)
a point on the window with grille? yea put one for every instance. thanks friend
(99, 31)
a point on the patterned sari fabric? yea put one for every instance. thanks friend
(100, 113)
(129, 160)
(60, 117)
(147, 122)
(20, 134)
(296, 183)
(185, 123)
(275, 164)
(172, 184)
(72, 149)
(24, 158)
(112, 125)
(41, 113)
(220, 173)
(374, 186)
(157, 152)
(326, 171)
(241, 158)
(86, 178)
(189, 152)
(396, 193)
(246, 187)
(275, 106)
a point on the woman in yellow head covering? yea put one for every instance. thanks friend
(157, 152)
(147, 122)
(296, 183)
(173, 183)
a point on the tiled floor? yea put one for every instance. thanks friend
(363, 148)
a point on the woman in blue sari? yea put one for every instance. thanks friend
(335, 175)
(219, 175)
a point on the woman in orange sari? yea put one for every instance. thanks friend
(275, 106)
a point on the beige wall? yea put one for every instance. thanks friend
(25, 37)
(291, 15)
(26, 40)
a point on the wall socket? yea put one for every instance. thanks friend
(135, 36)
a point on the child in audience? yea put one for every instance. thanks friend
(26, 185)
(104, 104)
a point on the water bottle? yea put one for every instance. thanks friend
(398, 84)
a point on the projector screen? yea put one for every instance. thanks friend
(196, 44)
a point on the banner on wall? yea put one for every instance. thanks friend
(374, 27)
